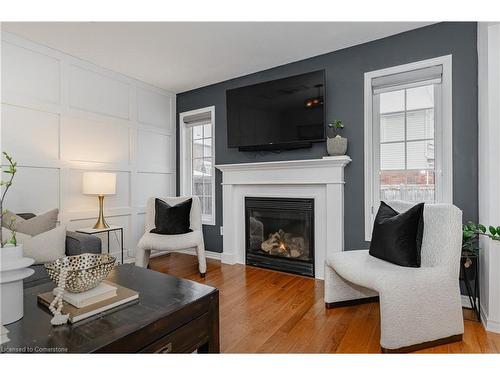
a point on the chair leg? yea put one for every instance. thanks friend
(202, 262)
(142, 258)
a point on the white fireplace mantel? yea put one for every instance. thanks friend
(320, 179)
(313, 171)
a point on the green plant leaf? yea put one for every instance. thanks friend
(482, 228)
(467, 234)
(492, 230)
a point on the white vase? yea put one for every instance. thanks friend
(13, 269)
(336, 146)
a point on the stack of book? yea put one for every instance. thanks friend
(103, 297)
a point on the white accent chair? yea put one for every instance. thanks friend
(419, 307)
(162, 242)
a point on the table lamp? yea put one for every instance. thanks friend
(100, 184)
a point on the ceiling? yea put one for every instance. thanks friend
(180, 56)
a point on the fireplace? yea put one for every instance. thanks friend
(279, 234)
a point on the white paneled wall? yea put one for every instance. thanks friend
(62, 116)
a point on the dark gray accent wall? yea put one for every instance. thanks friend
(344, 84)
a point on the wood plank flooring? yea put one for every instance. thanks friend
(264, 311)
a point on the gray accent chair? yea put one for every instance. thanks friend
(76, 243)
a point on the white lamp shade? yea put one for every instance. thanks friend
(99, 183)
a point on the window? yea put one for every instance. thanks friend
(408, 135)
(197, 159)
(406, 121)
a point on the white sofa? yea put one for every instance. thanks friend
(162, 242)
(419, 307)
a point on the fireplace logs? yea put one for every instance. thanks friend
(284, 244)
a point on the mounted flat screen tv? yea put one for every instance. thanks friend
(277, 115)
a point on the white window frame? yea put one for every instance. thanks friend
(186, 173)
(443, 136)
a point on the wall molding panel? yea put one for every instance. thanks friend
(62, 116)
(30, 74)
(98, 93)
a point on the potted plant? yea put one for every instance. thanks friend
(9, 246)
(470, 246)
(336, 145)
(13, 266)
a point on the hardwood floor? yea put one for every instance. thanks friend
(265, 311)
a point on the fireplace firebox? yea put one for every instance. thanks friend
(279, 234)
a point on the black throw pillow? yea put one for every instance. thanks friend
(397, 237)
(172, 219)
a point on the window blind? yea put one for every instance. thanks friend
(197, 119)
(418, 77)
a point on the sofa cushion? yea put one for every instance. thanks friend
(360, 268)
(152, 241)
(397, 237)
(33, 226)
(45, 247)
(172, 219)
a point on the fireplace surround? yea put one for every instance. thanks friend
(279, 234)
(318, 179)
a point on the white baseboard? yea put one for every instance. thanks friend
(228, 258)
(490, 325)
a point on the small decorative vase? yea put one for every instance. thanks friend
(468, 266)
(13, 269)
(336, 145)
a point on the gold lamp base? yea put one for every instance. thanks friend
(101, 221)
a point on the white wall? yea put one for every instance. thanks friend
(62, 116)
(489, 171)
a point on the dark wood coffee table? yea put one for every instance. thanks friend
(172, 316)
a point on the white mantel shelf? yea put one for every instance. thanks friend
(319, 179)
(326, 161)
(327, 170)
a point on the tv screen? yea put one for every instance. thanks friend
(280, 114)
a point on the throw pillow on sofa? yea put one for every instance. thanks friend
(397, 237)
(43, 248)
(34, 226)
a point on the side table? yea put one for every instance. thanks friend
(112, 228)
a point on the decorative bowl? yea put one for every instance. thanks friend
(86, 271)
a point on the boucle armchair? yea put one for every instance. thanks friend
(162, 242)
(419, 307)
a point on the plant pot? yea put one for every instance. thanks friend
(11, 253)
(468, 266)
(336, 146)
(13, 269)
